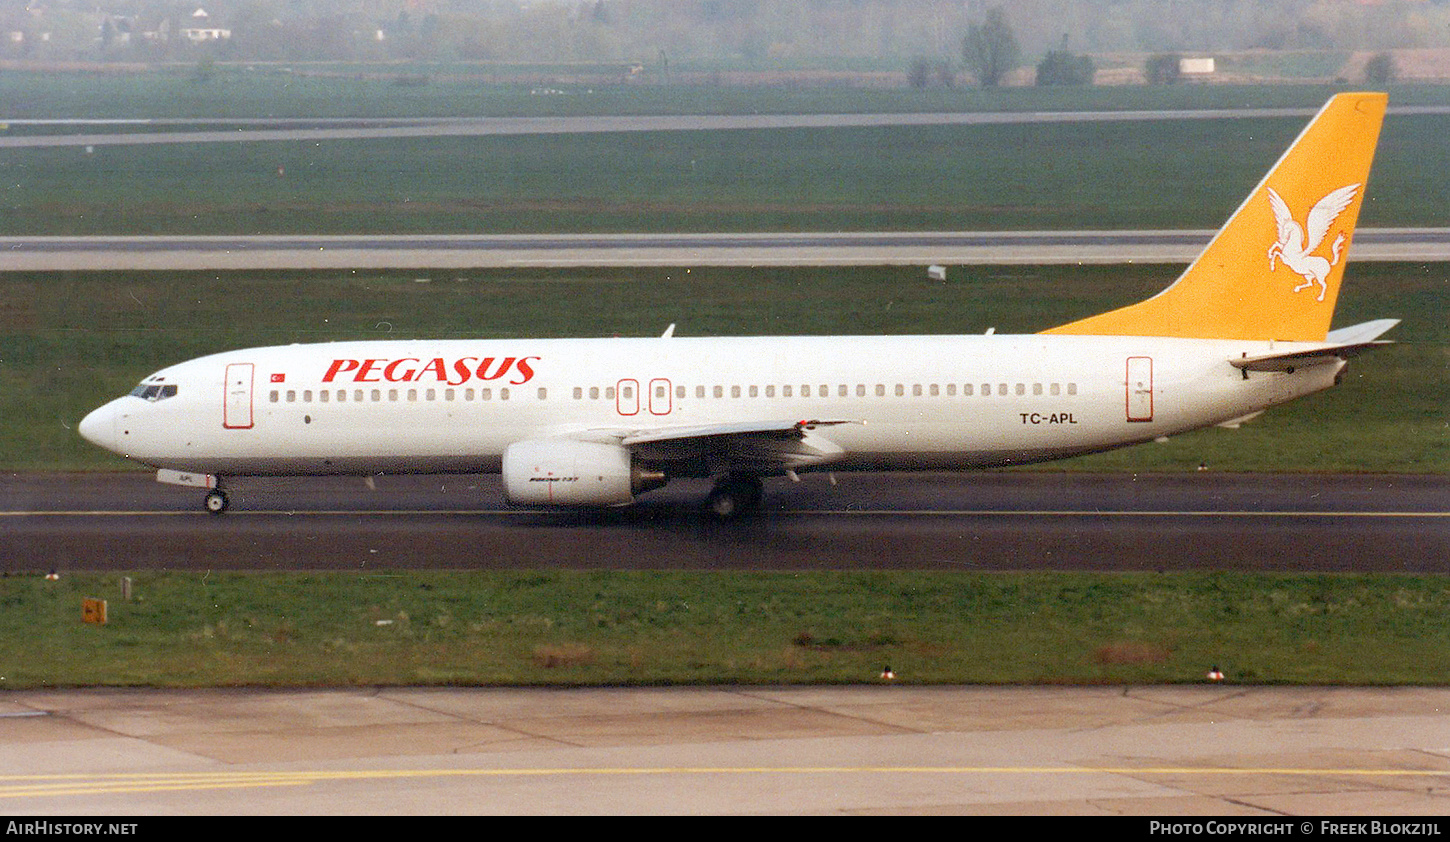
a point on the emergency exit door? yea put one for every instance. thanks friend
(1140, 389)
(237, 405)
(661, 402)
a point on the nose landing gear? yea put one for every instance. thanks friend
(216, 501)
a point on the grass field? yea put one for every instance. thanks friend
(1161, 174)
(71, 341)
(622, 628)
(463, 90)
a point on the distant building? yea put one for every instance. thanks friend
(1195, 67)
(200, 29)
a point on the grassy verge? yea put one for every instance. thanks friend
(1160, 174)
(510, 628)
(259, 91)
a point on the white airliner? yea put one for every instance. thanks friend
(595, 422)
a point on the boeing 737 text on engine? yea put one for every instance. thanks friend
(595, 422)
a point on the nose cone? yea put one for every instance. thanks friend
(99, 428)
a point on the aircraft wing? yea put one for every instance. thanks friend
(757, 446)
(1340, 345)
(765, 429)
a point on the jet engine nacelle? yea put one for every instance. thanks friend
(561, 472)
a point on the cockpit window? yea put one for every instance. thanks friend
(154, 391)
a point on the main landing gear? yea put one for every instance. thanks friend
(735, 495)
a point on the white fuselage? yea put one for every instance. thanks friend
(894, 402)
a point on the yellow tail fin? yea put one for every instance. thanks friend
(1273, 270)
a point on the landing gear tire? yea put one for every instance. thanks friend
(216, 502)
(733, 497)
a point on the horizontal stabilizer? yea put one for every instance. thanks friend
(1304, 359)
(1341, 345)
(1235, 423)
(1362, 332)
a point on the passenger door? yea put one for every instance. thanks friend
(1140, 389)
(237, 404)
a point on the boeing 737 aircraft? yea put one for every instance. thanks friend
(595, 422)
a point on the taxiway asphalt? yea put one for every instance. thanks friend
(926, 521)
(462, 251)
(1210, 751)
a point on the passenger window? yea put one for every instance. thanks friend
(1055, 389)
(594, 393)
(578, 393)
(503, 394)
(543, 394)
(719, 391)
(274, 396)
(1072, 388)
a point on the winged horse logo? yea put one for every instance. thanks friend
(1296, 250)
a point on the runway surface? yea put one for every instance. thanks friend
(254, 130)
(233, 131)
(682, 249)
(1216, 751)
(940, 521)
